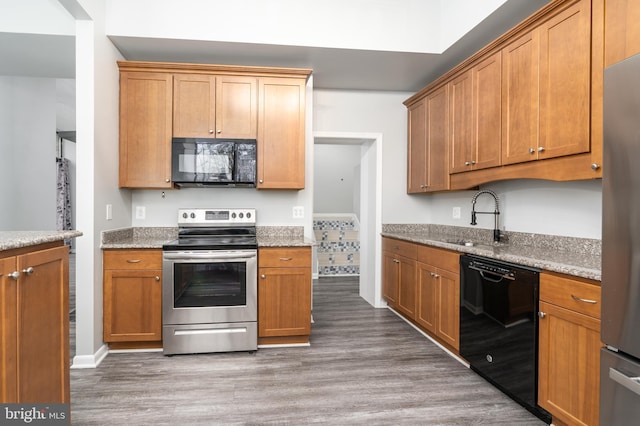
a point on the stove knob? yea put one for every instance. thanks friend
(248, 215)
(233, 215)
(193, 215)
(241, 215)
(184, 215)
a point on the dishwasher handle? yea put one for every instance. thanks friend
(496, 277)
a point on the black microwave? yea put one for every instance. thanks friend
(197, 162)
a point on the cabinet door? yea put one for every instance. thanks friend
(448, 307)
(281, 133)
(284, 302)
(145, 130)
(194, 106)
(8, 331)
(390, 274)
(236, 107)
(565, 82)
(569, 365)
(417, 148)
(622, 32)
(460, 107)
(132, 305)
(487, 113)
(427, 310)
(520, 99)
(407, 287)
(438, 140)
(43, 326)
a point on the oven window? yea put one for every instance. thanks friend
(210, 284)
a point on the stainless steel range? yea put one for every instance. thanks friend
(209, 285)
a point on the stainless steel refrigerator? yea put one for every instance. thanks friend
(620, 359)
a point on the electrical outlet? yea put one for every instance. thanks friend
(298, 212)
(456, 212)
(109, 211)
(141, 212)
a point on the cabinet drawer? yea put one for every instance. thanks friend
(577, 294)
(132, 259)
(401, 248)
(284, 257)
(443, 259)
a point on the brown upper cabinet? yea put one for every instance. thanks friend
(428, 149)
(161, 100)
(223, 106)
(547, 84)
(622, 32)
(528, 105)
(475, 111)
(281, 135)
(145, 129)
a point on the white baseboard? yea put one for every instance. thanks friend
(284, 345)
(90, 361)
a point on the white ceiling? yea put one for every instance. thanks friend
(345, 69)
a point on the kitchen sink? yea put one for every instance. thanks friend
(472, 243)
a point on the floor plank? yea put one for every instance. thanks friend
(364, 366)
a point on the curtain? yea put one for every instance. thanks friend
(63, 219)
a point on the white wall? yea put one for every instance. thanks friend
(337, 176)
(27, 153)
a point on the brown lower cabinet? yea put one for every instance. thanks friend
(569, 349)
(34, 331)
(132, 316)
(284, 295)
(423, 284)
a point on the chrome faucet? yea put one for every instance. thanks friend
(495, 213)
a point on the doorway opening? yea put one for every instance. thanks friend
(367, 205)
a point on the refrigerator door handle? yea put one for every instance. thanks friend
(631, 383)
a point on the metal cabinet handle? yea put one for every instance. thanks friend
(541, 149)
(157, 278)
(134, 260)
(434, 275)
(595, 166)
(167, 180)
(286, 259)
(29, 270)
(542, 314)
(631, 383)
(580, 299)
(210, 130)
(531, 150)
(14, 275)
(219, 131)
(467, 163)
(396, 261)
(263, 276)
(260, 181)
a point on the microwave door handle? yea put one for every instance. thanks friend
(208, 256)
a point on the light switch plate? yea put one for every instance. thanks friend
(109, 211)
(298, 212)
(141, 212)
(456, 212)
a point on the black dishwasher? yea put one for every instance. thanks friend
(499, 326)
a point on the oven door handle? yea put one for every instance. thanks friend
(209, 256)
(500, 276)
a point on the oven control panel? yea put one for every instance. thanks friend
(212, 217)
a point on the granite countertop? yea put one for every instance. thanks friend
(155, 237)
(18, 239)
(580, 257)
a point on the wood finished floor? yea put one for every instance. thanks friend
(364, 366)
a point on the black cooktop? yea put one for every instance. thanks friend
(216, 238)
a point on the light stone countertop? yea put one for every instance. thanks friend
(18, 239)
(155, 237)
(580, 257)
